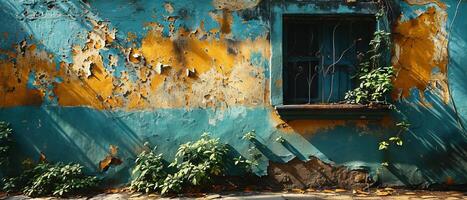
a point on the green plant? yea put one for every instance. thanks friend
(51, 179)
(375, 81)
(374, 76)
(149, 172)
(6, 140)
(249, 163)
(249, 136)
(196, 163)
(397, 139)
(254, 155)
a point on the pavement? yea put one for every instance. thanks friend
(289, 195)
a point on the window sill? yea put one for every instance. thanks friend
(332, 111)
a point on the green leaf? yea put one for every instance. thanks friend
(383, 145)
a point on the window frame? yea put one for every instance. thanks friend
(281, 9)
(322, 90)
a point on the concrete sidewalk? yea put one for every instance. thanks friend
(329, 194)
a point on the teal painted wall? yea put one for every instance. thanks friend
(74, 116)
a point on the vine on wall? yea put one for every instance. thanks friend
(375, 77)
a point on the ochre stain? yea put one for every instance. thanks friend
(309, 127)
(420, 47)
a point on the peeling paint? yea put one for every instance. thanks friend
(15, 76)
(235, 4)
(222, 77)
(168, 71)
(420, 47)
(111, 159)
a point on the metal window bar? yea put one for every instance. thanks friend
(332, 72)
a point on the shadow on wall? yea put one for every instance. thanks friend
(74, 135)
(434, 151)
(457, 68)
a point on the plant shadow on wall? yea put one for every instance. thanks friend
(39, 179)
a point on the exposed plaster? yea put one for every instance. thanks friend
(111, 159)
(315, 174)
(235, 4)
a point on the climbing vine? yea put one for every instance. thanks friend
(375, 78)
(374, 75)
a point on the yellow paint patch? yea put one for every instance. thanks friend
(420, 47)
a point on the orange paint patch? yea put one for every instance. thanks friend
(111, 159)
(15, 76)
(307, 127)
(420, 47)
(131, 37)
(312, 126)
(222, 75)
(186, 51)
(93, 91)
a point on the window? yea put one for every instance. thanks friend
(320, 55)
(315, 52)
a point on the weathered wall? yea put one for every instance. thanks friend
(88, 81)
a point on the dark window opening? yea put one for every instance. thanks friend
(320, 56)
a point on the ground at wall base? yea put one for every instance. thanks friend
(299, 194)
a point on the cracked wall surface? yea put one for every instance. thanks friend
(92, 81)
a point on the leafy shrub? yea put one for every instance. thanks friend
(195, 164)
(51, 179)
(149, 172)
(6, 134)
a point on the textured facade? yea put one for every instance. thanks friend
(92, 81)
